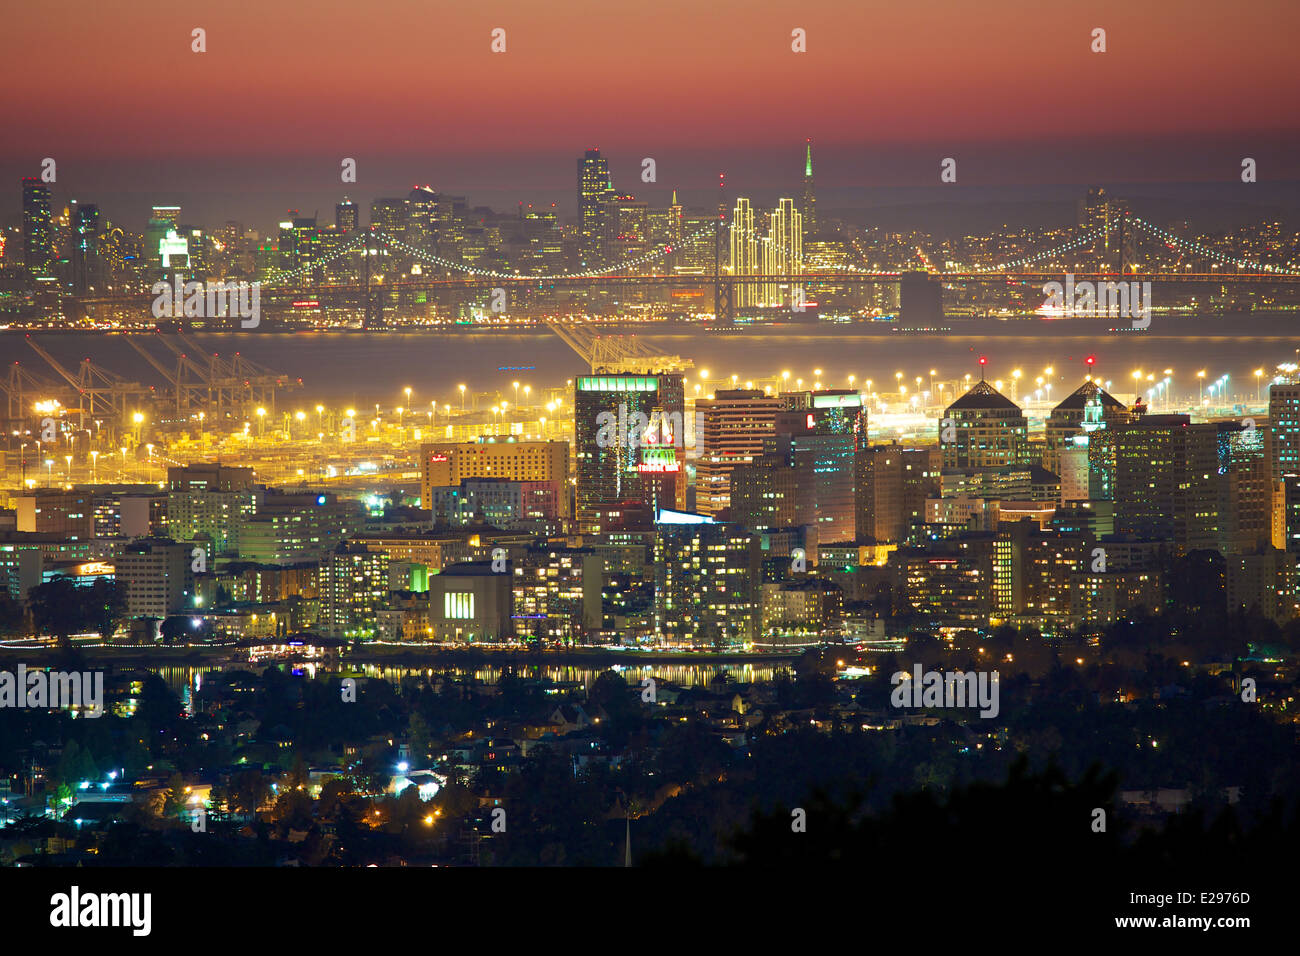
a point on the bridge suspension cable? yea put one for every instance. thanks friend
(1198, 249)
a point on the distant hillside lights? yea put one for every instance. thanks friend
(209, 300)
(1126, 300)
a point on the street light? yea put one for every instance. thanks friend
(462, 398)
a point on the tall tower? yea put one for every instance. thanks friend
(809, 195)
(594, 185)
(345, 215)
(744, 252)
(38, 248)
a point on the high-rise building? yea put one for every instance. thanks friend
(353, 586)
(1284, 428)
(611, 415)
(881, 514)
(594, 185)
(987, 430)
(744, 254)
(156, 577)
(345, 216)
(821, 442)
(210, 501)
(1070, 418)
(809, 195)
(557, 594)
(1246, 502)
(783, 254)
(38, 237)
(1167, 481)
(707, 584)
(87, 261)
(447, 465)
(733, 425)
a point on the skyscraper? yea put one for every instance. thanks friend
(988, 430)
(744, 253)
(610, 468)
(809, 196)
(345, 216)
(38, 247)
(87, 262)
(593, 185)
(1167, 481)
(1284, 428)
(732, 426)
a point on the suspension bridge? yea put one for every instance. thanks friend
(370, 288)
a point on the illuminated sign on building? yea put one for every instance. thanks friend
(173, 245)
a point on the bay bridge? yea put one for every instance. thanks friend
(371, 292)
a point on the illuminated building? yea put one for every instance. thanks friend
(353, 585)
(557, 594)
(783, 253)
(1166, 484)
(163, 220)
(447, 464)
(594, 184)
(1099, 598)
(471, 602)
(879, 492)
(210, 500)
(499, 502)
(1284, 428)
(345, 216)
(1266, 582)
(732, 427)
(156, 577)
(1072, 417)
(744, 259)
(988, 430)
(69, 514)
(707, 584)
(293, 528)
(611, 415)
(809, 210)
(87, 262)
(38, 237)
(800, 611)
(950, 583)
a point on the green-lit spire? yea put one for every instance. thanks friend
(807, 166)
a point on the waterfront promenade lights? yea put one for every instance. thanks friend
(516, 385)
(528, 390)
(407, 390)
(462, 397)
(49, 472)
(320, 410)
(1259, 373)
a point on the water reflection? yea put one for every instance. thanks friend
(179, 679)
